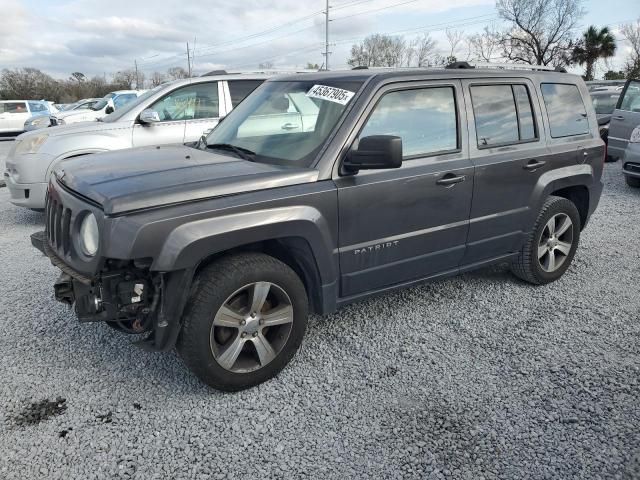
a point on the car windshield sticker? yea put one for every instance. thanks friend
(333, 94)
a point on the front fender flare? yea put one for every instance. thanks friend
(187, 245)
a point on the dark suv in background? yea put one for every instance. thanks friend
(394, 177)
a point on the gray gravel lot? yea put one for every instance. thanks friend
(475, 377)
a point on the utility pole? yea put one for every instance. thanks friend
(193, 54)
(188, 60)
(135, 62)
(326, 37)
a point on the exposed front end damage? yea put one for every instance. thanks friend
(126, 294)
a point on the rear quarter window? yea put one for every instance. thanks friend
(565, 109)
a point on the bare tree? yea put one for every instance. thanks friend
(176, 73)
(454, 37)
(631, 32)
(541, 30)
(423, 49)
(265, 65)
(485, 44)
(28, 83)
(125, 78)
(157, 78)
(380, 51)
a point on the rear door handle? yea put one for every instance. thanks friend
(289, 126)
(534, 165)
(450, 179)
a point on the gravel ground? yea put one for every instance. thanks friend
(475, 377)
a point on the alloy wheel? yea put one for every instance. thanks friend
(251, 327)
(555, 242)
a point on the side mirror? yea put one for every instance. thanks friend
(149, 116)
(109, 110)
(375, 152)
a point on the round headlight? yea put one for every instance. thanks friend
(89, 235)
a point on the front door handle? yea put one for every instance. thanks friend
(450, 179)
(619, 117)
(533, 165)
(289, 126)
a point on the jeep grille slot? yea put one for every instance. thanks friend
(58, 226)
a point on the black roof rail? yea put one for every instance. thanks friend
(459, 65)
(360, 67)
(560, 70)
(214, 72)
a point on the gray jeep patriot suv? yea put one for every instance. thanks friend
(319, 190)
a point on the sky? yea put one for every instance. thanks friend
(97, 37)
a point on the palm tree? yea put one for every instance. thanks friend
(594, 45)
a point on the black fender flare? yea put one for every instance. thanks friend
(188, 244)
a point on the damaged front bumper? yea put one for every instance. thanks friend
(149, 302)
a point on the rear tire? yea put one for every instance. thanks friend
(552, 244)
(244, 322)
(632, 181)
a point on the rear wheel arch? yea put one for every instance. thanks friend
(579, 196)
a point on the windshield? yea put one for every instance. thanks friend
(119, 113)
(98, 106)
(13, 107)
(284, 123)
(605, 104)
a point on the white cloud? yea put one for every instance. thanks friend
(94, 36)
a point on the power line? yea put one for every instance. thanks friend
(365, 12)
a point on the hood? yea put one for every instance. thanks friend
(79, 128)
(80, 115)
(146, 177)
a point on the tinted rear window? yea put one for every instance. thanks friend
(566, 110)
(503, 114)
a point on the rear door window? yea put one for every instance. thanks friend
(566, 110)
(525, 113)
(503, 114)
(239, 89)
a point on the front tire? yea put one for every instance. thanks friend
(552, 244)
(244, 322)
(632, 181)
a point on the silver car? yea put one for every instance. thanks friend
(176, 112)
(43, 119)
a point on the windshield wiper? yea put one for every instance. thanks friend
(243, 153)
